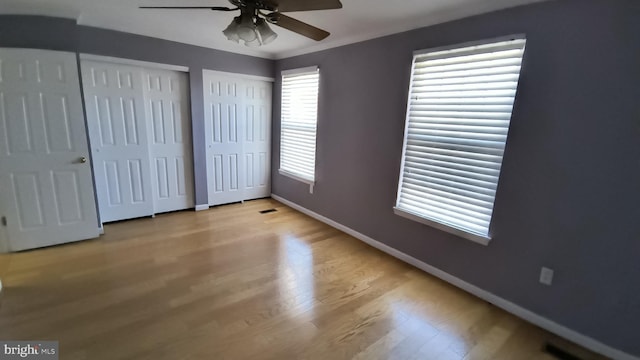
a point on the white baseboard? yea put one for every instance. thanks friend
(202, 207)
(506, 305)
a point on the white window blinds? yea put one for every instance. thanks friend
(458, 116)
(298, 123)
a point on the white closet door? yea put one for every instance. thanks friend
(169, 126)
(114, 99)
(257, 139)
(224, 126)
(238, 133)
(46, 190)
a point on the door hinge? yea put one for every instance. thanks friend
(4, 221)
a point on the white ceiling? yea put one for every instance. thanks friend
(358, 20)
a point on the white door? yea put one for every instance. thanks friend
(224, 128)
(47, 192)
(169, 126)
(114, 99)
(237, 127)
(257, 140)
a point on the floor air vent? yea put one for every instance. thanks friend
(268, 211)
(559, 353)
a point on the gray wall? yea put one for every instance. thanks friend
(569, 193)
(63, 34)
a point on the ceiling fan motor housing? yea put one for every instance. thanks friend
(256, 4)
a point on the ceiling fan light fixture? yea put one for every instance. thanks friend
(231, 32)
(266, 34)
(254, 43)
(246, 29)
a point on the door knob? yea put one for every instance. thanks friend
(82, 160)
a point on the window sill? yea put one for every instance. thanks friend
(311, 183)
(483, 240)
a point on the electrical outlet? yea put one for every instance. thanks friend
(546, 276)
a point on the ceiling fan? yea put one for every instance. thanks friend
(251, 26)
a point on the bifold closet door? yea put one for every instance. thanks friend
(46, 189)
(224, 129)
(257, 139)
(169, 126)
(237, 127)
(114, 99)
(140, 132)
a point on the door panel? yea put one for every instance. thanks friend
(167, 99)
(54, 108)
(26, 189)
(114, 98)
(46, 192)
(136, 179)
(66, 191)
(17, 122)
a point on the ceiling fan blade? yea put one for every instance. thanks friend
(307, 5)
(297, 26)
(217, 8)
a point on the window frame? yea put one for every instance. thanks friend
(284, 172)
(450, 228)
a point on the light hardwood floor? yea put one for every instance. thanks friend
(231, 283)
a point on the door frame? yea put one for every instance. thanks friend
(131, 62)
(4, 237)
(238, 75)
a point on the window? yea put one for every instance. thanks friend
(458, 115)
(298, 120)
